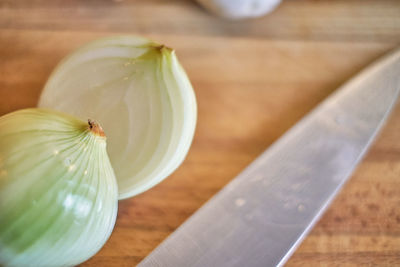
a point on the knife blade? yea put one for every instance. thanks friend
(263, 214)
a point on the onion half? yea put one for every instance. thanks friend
(58, 193)
(137, 90)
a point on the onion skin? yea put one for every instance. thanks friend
(58, 192)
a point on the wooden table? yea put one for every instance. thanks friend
(253, 80)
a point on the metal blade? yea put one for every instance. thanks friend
(261, 216)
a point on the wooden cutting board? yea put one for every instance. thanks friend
(253, 80)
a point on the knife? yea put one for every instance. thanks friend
(262, 215)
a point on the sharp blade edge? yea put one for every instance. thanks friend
(261, 216)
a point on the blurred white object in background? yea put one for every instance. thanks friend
(240, 9)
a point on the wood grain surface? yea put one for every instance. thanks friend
(253, 80)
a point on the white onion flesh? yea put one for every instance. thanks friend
(240, 9)
(137, 90)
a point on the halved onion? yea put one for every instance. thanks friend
(137, 90)
(58, 192)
